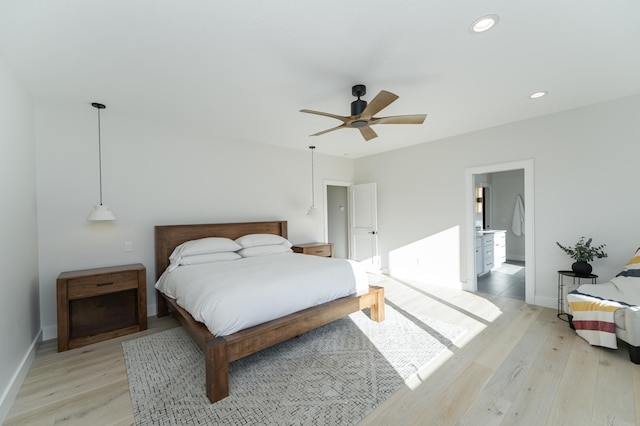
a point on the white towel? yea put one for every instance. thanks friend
(517, 224)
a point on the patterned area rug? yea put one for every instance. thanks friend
(335, 374)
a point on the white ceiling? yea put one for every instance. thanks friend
(242, 70)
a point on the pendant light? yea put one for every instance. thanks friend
(312, 210)
(101, 211)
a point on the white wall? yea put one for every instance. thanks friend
(156, 175)
(19, 313)
(585, 170)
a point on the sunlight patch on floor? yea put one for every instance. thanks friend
(509, 269)
(474, 312)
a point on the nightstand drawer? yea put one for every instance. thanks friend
(102, 284)
(314, 249)
(319, 251)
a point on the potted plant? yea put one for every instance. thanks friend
(583, 253)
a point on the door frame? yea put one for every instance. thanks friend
(471, 283)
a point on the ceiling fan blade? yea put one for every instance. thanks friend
(326, 114)
(377, 104)
(329, 130)
(367, 133)
(399, 119)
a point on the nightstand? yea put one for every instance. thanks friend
(100, 304)
(563, 290)
(315, 249)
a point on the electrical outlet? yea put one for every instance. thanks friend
(128, 246)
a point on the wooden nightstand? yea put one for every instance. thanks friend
(100, 304)
(316, 249)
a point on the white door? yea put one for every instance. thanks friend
(363, 226)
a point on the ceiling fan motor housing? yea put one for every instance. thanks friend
(359, 105)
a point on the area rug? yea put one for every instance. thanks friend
(334, 375)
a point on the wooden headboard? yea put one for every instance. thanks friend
(170, 236)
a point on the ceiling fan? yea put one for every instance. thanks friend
(362, 115)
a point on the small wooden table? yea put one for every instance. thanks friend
(315, 249)
(100, 304)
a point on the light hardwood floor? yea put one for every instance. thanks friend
(516, 364)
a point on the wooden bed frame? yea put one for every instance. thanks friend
(220, 351)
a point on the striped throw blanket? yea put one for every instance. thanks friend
(593, 318)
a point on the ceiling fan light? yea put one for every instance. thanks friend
(359, 123)
(484, 23)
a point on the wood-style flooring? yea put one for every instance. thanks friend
(516, 364)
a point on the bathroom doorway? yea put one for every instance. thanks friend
(499, 217)
(500, 238)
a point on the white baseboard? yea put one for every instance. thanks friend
(547, 302)
(49, 332)
(11, 391)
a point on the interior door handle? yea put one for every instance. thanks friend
(373, 232)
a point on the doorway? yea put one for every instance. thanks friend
(338, 220)
(512, 274)
(336, 227)
(351, 222)
(499, 215)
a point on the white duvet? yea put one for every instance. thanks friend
(230, 296)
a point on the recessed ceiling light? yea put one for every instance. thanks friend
(484, 23)
(537, 95)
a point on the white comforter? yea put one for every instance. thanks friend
(230, 296)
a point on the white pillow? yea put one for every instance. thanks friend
(203, 258)
(256, 240)
(209, 258)
(204, 245)
(264, 250)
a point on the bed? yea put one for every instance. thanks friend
(218, 350)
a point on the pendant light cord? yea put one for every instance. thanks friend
(313, 198)
(100, 156)
(100, 212)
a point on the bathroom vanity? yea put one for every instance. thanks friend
(491, 250)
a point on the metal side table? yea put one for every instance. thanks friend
(576, 281)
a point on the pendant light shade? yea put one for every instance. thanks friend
(312, 210)
(100, 211)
